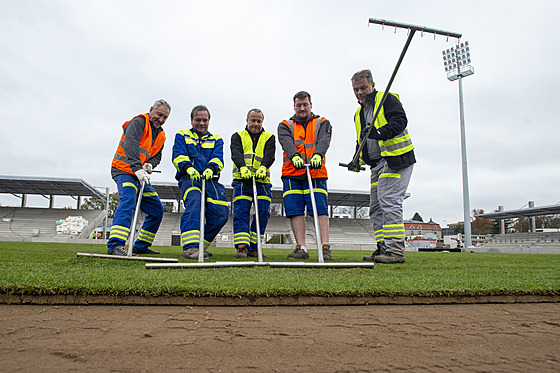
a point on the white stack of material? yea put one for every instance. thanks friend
(72, 225)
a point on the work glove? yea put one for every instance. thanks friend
(316, 162)
(245, 173)
(208, 173)
(147, 167)
(261, 173)
(142, 176)
(298, 163)
(374, 134)
(193, 174)
(354, 166)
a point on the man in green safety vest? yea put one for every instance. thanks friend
(390, 154)
(252, 152)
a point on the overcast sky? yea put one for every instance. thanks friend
(72, 72)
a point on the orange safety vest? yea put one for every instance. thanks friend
(147, 149)
(305, 142)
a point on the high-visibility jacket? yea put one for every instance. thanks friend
(253, 159)
(197, 151)
(392, 147)
(305, 140)
(148, 147)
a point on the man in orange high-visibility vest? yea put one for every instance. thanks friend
(305, 139)
(138, 153)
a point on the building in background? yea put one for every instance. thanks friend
(414, 229)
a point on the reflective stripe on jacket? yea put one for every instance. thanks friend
(305, 140)
(253, 159)
(395, 146)
(148, 147)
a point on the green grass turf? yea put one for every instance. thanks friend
(28, 268)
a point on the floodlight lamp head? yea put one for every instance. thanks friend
(457, 60)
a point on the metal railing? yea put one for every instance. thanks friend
(526, 237)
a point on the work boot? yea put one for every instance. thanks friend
(379, 251)
(255, 254)
(242, 251)
(145, 251)
(389, 258)
(298, 253)
(193, 254)
(327, 252)
(120, 251)
(187, 253)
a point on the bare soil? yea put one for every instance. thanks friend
(381, 338)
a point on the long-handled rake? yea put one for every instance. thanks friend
(202, 220)
(135, 219)
(131, 240)
(315, 216)
(257, 221)
(412, 30)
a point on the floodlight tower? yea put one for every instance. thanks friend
(457, 62)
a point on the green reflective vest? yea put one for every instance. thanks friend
(253, 159)
(398, 145)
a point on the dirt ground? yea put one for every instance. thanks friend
(434, 338)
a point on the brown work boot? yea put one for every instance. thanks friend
(255, 254)
(327, 252)
(298, 253)
(242, 251)
(389, 258)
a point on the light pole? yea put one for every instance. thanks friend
(457, 62)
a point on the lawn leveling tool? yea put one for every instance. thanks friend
(260, 262)
(321, 261)
(257, 221)
(411, 31)
(129, 256)
(201, 263)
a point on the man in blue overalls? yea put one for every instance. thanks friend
(197, 154)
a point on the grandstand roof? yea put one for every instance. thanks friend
(531, 211)
(169, 190)
(47, 186)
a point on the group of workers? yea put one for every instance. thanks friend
(197, 155)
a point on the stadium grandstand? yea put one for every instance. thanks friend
(536, 241)
(347, 230)
(23, 223)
